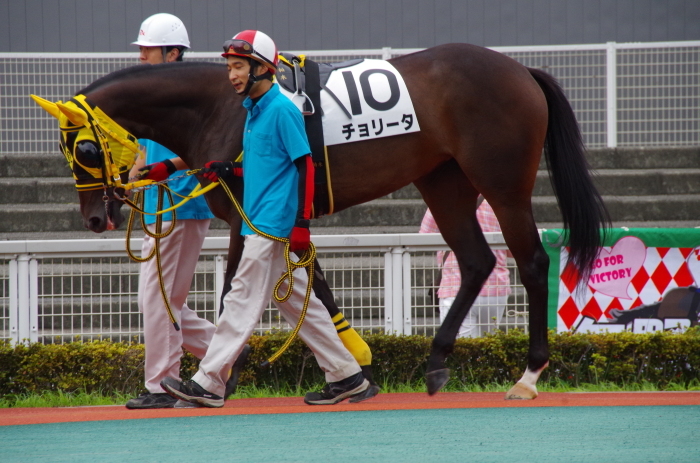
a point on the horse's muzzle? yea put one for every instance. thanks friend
(96, 224)
(107, 217)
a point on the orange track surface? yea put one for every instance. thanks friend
(402, 401)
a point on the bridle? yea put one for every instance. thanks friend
(117, 148)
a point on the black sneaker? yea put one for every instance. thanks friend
(338, 391)
(184, 404)
(190, 391)
(149, 400)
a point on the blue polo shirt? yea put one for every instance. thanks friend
(196, 208)
(274, 137)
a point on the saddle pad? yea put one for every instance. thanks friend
(365, 101)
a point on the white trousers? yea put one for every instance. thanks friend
(179, 254)
(262, 263)
(483, 317)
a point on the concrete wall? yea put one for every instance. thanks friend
(110, 25)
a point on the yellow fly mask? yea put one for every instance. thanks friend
(96, 147)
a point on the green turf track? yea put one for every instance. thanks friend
(567, 434)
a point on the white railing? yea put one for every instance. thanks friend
(624, 94)
(53, 291)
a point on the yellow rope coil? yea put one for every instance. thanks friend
(137, 206)
(306, 260)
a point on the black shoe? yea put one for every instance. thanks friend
(149, 400)
(371, 391)
(338, 391)
(190, 391)
(238, 365)
(185, 404)
(368, 393)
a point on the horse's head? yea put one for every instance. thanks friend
(187, 107)
(99, 153)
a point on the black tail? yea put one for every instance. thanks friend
(582, 208)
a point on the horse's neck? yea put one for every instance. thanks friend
(192, 111)
(163, 117)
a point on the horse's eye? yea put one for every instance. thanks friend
(88, 154)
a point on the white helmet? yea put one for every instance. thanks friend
(162, 29)
(253, 44)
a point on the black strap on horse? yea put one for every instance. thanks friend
(314, 132)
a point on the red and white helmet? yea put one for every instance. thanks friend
(161, 30)
(253, 44)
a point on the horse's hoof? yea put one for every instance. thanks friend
(435, 380)
(521, 391)
(368, 393)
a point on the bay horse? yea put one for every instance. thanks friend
(485, 120)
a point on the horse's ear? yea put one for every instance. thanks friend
(76, 115)
(48, 106)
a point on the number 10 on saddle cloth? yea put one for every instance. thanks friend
(363, 101)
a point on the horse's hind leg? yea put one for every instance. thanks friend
(520, 232)
(452, 200)
(347, 334)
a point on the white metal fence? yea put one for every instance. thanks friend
(624, 94)
(55, 291)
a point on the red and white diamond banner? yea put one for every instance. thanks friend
(638, 268)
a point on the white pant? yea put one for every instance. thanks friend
(483, 317)
(179, 253)
(262, 263)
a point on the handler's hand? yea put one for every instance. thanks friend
(300, 238)
(158, 171)
(214, 170)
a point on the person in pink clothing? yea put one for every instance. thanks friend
(488, 308)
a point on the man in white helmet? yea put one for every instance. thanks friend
(277, 193)
(163, 39)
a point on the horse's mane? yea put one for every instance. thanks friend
(140, 69)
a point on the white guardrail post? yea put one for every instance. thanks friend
(14, 301)
(407, 306)
(611, 93)
(22, 297)
(397, 281)
(388, 291)
(33, 300)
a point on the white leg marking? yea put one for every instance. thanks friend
(526, 388)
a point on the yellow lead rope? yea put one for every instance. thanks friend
(306, 261)
(156, 247)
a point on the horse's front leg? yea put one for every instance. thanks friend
(452, 199)
(475, 269)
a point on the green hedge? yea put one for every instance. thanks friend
(622, 359)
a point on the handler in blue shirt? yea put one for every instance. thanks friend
(194, 209)
(270, 177)
(277, 194)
